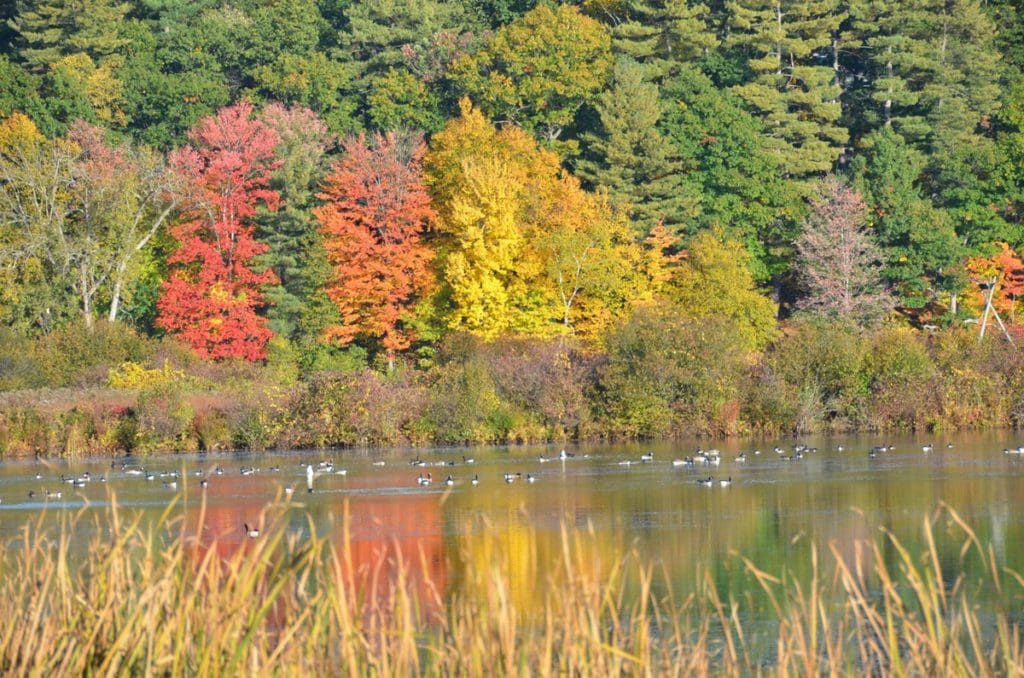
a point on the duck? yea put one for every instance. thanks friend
(247, 470)
(251, 532)
(626, 462)
(476, 480)
(726, 482)
(565, 455)
(289, 489)
(449, 481)
(646, 458)
(531, 478)
(741, 457)
(715, 461)
(705, 483)
(379, 463)
(424, 480)
(150, 476)
(218, 471)
(757, 451)
(700, 458)
(204, 483)
(54, 495)
(471, 460)
(542, 459)
(172, 485)
(928, 447)
(511, 477)
(685, 461)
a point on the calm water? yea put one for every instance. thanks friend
(770, 513)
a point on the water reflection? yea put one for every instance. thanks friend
(772, 513)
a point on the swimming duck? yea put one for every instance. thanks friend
(204, 483)
(424, 479)
(927, 448)
(705, 483)
(449, 481)
(726, 483)
(530, 478)
(476, 480)
(741, 457)
(379, 463)
(251, 532)
(646, 458)
(471, 460)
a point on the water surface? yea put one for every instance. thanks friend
(771, 513)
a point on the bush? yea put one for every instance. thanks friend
(72, 355)
(666, 374)
(820, 369)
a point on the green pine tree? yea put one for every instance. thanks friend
(630, 158)
(795, 94)
(662, 34)
(41, 27)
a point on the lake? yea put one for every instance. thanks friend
(772, 511)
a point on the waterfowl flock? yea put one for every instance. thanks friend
(696, 464)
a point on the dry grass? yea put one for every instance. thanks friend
(154, 600)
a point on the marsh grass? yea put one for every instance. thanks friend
(158, 599)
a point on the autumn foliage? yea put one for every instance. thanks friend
(1008, 270)
(213, 294)
(375, 214)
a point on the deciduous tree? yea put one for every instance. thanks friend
(839, 262)
(376, 212)
(212, 298)
(539, 70)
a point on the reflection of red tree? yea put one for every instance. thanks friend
(387, 536)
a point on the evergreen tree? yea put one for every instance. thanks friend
(41, 27)
(630, 158)
(918, 241)
(797, 96)
(934, 68)
(730, 168)
(660, 34)
(290, 232)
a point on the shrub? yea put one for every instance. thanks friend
(666, 373)
(822, 367)
(72, 355)
(133, 376)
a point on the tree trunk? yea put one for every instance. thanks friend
(86, 299)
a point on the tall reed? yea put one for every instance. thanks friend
(156, 598)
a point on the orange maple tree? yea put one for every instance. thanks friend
(375, 214)
(1008, 269)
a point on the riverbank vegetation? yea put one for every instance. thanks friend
(296, 223)
(154, 598)
(658, 374)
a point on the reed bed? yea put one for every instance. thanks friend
(154, 598)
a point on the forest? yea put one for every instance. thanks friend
(304, 223)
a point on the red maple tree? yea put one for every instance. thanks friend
(212, 296)
(376, 211)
